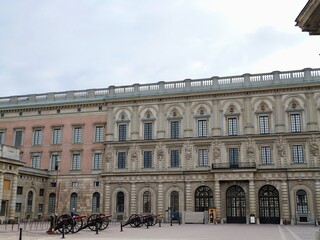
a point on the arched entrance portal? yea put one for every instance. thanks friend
(236, 205)
(269, 205)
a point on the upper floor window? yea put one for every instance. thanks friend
(77, 135)
(2, 136)
(147, 159)
(18, 138)
(121, 160)
(265, 155)
(295, 122)
(54, 162)
(202, 128)
(56, 136)
(76, 157)
(264, 124)
(36, 161)
(203, 157)
(37, 137)
(122, 131)
(148, 131)
(97, 161)
(232, 126)
(98, 134)
(234, 157)
(175, 129)
(297, 153)
(175, 158)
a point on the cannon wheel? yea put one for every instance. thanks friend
(77, 225)
(104, 222)
(67, 221)
(148, 221)
(155, 220)
(135, 220)
(92, 222)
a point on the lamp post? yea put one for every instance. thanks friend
(56, 202)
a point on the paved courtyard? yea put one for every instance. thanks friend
(185, 231)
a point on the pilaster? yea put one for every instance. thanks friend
(13, 197)
(311, 111)
(160, 199)
(133, 202)
(285, 201)
(252, 197)
(279, 126)
(217, 199)
(1, 187)
(135, 124)
(110, 124)
(107, 197)
(248, 124)
(161, 122)
(317, 193)
(216, 131)
(188, 120)
(188, 197)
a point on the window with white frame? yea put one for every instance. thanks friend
(2, 136)
(147, 159)
(147, 130)
(265, 155)
(175, 158)
(98, 134)
(295, 122)
(121, 160)
(203, 157)
(174, 129)
(234, 157)
(232, 126)
(297, 154)
(56, 135)
(97, 161)
(202, 127)
(36, 161)
(76, 157)
(77, 134)
(55, 158)
(18, 138)
(122, 131)
(264, 124)
(37, 137)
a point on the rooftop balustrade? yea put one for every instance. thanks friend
(275, 78)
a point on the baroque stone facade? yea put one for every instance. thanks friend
(241, 145)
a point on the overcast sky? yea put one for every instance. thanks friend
(60, 45)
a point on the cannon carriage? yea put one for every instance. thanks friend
(137, 220)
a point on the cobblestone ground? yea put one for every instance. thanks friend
(186, 232)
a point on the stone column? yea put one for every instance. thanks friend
(285, 201)
(1, 187)
(133, 202)
(188, 197)
(317, 193)
(135, 124)
(107, 197)
(161, 123)
(110, 124)
(160, 199)
(279, 117)
(247, 119)
(13, 197)
(188, 120)
(311, 113)
(252, 198)
(216, 131)
(217, 199)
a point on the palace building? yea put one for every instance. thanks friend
(242, 146)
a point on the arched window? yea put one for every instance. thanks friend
(147, 202)
(174, 201)
(96, 202)
(29, 201)
(236, 205)
(120, 202)
(73, 201)
(51, 204)
(269, 208)
(302, 201)
(203, 199)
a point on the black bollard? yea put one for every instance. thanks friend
(97, 230)
(20, 236)
(63, 229)
(171, 222)
(121, 230)
(159, 222)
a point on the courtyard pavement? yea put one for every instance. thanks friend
(184, 231)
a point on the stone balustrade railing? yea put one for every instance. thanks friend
(188, 85)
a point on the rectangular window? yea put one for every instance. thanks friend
(122, 132)
(202, 128)
(2, 137)
(265, 155)
(295, 121)
(203, 157)
(147, 159)
(41, 192)
(18, 207)
(56, 136)
(19, 190)
(297, 152)
(77, 135)
(36, 161)
(74, 184)
(18, 138)
(97, 161)
(233, 157)
(175, 161)
(264, 124)
(37, 137)
(121, 160)
(232, 126)
(147, 131)
(54, 162)
(76, 161)
(98, 134)
(96, 184)
(175, 129)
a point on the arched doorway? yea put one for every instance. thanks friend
(203, 199)
(236, 205)
(269, 209)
